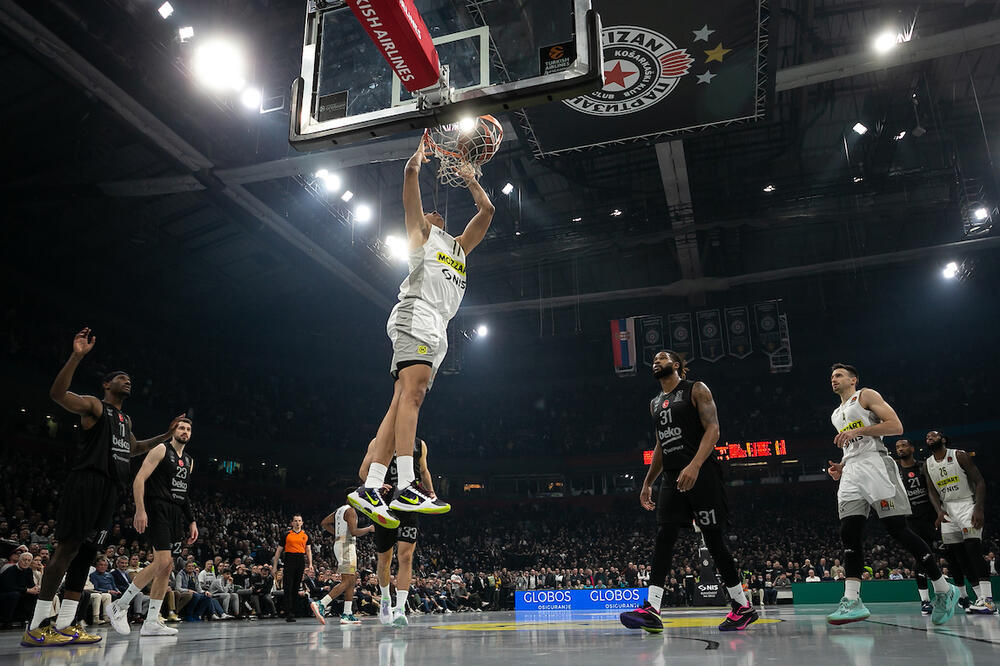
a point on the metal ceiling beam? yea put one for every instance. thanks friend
(685, 288)
(63, 59)
(943, 44)
(677, 189)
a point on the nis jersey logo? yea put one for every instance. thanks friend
(641, 67)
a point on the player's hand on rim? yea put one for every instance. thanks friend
(835, 470)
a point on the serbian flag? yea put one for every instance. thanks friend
(623, 346)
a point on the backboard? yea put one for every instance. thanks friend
(500, 55)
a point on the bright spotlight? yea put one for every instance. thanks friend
(251, 98)
(950, 270)
(858, 179)
(482, 331)
(397, 247)
(166, 9)
(332, 182)
(860, 129)
(577, 219)
(507, 189)
(347, 196)
(363, 213)
(466, 125)
(769, 188)
(886, 41)
(899, 137)
(219, 65)
(322, 174)
(616, 212)
(185, 33)
(981, 213)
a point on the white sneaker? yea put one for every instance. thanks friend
(216, 616)
(118, 617)
(399, 619)
(414, 499)
(156, 628)
(448, 611)
(385, 612)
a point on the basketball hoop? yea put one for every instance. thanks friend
(463, 148)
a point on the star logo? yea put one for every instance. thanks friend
(617, 75)
(707, 78)
(715, 55)
(702, 35)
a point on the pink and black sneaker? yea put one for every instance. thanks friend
(646, 617)
(739, 618)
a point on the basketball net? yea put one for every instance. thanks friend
(463, 148)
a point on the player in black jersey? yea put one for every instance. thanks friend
(163, 512)
(686, 424)
(403, 537)
(100, 471)
(921, 520)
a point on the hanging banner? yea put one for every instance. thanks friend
(681, 335)
(738, 331)
(710, 335)
(623, 346)
(766, 317)
(651, 330)
(669, 68)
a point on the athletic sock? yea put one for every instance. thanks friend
(42, 610)
(128, 596)
(404, 467)
(963, 593)
(66, 613)
(655, 597)
(941, 585)
(386, 594)
(924, 595)
(327, 600)
(985, 590)
(348, 607)
(852, 589)
(376, 475)
(738, 595)
(153, 615)
(401, 600)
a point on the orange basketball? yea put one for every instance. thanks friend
(480, 145)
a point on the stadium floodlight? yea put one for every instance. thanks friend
(185, 33)
(981, 213)
(397, 247)
(332, 182)
(346, 196)
(219, 65)
(886, 41)
(482, 330)
(950, 270)
(858, 179)
(507, 189)
(166, 9)
(322, 174)
(577, 219)
(617, 212)
(363, 213)
(467, 124)
(251, 98)
(860, 128)
(769, 188)
(899, 137)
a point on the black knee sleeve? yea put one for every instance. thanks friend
(976, 562)
(720, 553)
(956, 556)
(79, 568)
(852, 535)
(898, 529)
(663, 553)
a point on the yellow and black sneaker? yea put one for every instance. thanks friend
(45, 636)
(369, 502)
(79, 635)
(414, 499)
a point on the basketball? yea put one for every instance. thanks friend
(480, 145)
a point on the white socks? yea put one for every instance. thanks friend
(348, 607)
(401, 600)
(327, 600)
(66, 613)
(738, 595)
(404, 466)
(852, 589)
(129, 595)
(984, 590)
(386, 594)
(941, 585)
(153, 616)
(655, 597)
(962, 592)
(376, 475)
(42, 610)
(924, 595)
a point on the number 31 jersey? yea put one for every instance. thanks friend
(677, 426)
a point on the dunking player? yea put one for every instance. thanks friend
(921, 520)
(404, 536)
(686, 424)
(417, 327)
(869, 479)
(100, 470)
(166, 511)
(958, 492)
(343, 524)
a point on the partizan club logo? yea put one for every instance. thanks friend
(641, 67)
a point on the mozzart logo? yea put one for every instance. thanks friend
(641, 67)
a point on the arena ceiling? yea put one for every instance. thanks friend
(121, 169)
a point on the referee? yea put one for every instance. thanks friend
(298, 553)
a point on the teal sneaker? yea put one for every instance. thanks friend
(944, 605)
(399, 619)
(849, 610)
(348, 618)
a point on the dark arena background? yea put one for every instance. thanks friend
(808, 182)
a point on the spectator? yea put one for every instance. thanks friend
(104, 591)
(18, 592)
(223, 591)
(140, 604)
(812, 577)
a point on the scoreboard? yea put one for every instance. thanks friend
(767, 448)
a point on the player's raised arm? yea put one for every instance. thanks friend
(413, 208)
(476, 230)
(83, 405)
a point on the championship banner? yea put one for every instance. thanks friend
(651, 330)
(710, 335)
(669, 68)
(766, 317)
(681, 335)
(623, 346)
(738, 331)
(601, 599)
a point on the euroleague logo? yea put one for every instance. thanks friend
(641, 67)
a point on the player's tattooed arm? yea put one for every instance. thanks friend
(709, 415)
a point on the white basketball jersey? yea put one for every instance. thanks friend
(851, 416)
(437, 274)
(949, 478)
(343, 535)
